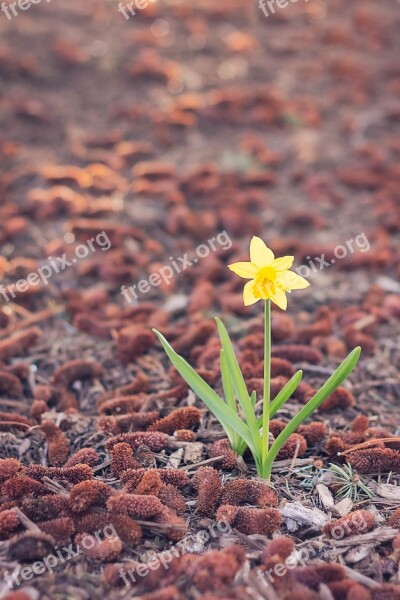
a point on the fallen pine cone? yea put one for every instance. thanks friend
(29, 546)
(222, 448)
(175, 527)
(9, 420)
(241, 491)
(101, 550)
(88, 493)
(85, 456)
(263, 521)
(277, 551)
(135, 421)
(138, 386)
(340, 398)
(313, 575)
(394, 519)
(134, 505)
(295, 445)
(187, 417)
(76, 370)
(9, 521)
(122, 404)
(276, 426)
(216, 569)
(21, 486)
(58, 445)
(154, 440)
(122, 458)
(357, 522)
(127, 529)
(298, 353)
(10, 385)
(197, 335)
(349, 589)
(360, 424)
(279, 366)
(176, 477)
(61, 528)
(313, 432)
(354, 338)
(45, 507)
(172, 498)
(133, 341)
(19, 344)
(374, 460)
(207, 482)
(73, 474)
(185, 435)
(150, 483)
(9, 467)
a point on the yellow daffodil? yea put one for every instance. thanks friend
(270, 276)
(236, 411)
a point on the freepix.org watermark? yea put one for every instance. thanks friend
(176, 265)
(11, 9)
(128, 9)
(153, 561)
(318, 263)
(59, 557)
(269, 7)
(55, 265)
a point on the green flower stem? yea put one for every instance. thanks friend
(267, 380)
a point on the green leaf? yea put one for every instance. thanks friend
(229, 396)
(239, 384)
(284, 395)
(334, 381)
(225, 415)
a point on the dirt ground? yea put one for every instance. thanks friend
(130, 148)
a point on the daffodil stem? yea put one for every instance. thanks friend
(267, 380)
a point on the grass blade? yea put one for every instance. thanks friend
(229, 397)
(283, 395)
(336, 379)
(239, 384)
(225, 415)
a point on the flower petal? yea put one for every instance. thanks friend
(292, 281)
(283, 263)
(248, 294)
(260, 254)
(280, 299)
(244, 269)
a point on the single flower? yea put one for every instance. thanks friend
(270, 276)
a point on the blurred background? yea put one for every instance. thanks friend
(184, 119)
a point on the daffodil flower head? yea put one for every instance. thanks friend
(270, 277)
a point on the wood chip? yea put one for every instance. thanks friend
(194, 452)
(325, 496)
(343, 507)
(358, 553)
(175, 458)
(386, 490)
(381, 534)
(304, 515)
